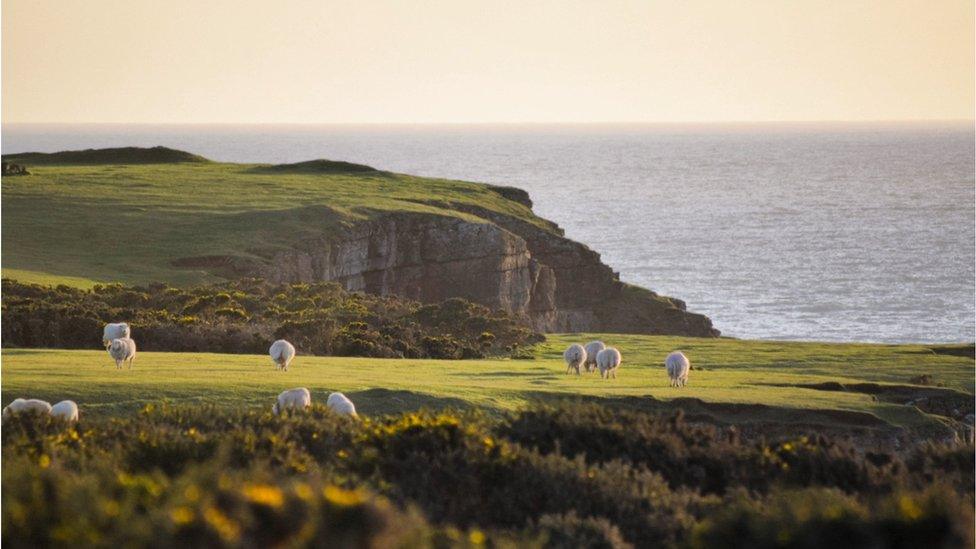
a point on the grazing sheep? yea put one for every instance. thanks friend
(593, 348)
(29, 405)
(13, 407)
(281, 354)
(608, 360)
(121, 350)
(340, 404)
(575, 356)
(678, 366)
(118, 330)
(293, 399)
(66, 410)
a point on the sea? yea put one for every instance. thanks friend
(821, 232)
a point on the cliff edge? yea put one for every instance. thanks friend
(185, 220)
(551, 282)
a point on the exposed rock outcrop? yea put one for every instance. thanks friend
(551, 282)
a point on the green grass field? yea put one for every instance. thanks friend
(59, 221)
(726, 372)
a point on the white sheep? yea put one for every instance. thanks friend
(292, 399)
(29, 405)
(14, 407)
(340, 404)
(121, 350)
(608, 360)
(575, 356)
(66, 410)
(678, 366)
(281, 354)
(593, 348)
(118, 330)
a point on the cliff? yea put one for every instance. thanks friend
(141, 215)
(551, 282)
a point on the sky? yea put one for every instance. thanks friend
(467, 61)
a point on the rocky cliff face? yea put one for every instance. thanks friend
(553, 283)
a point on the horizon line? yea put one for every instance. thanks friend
(523, 123)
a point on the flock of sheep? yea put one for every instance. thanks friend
(117, 339)
(595, 355)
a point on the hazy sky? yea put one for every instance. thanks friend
(492, 61)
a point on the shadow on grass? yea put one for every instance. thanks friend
(505, 373)
(15, 352)
(387, 401)
(756, 420)
(931, 400)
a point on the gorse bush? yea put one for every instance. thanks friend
(705, 458)
(818, 517)
(245, 316)
(210, 477)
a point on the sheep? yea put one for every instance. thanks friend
(29, 405)
(677, 365)
(294, 399)
(608, 360)
(282, 353)
(593, 348)
(340, 404)
(575, 356)
(15, 406)
(66, 410)
(118, 330)
(121, 350)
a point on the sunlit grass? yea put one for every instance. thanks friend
(726, 371)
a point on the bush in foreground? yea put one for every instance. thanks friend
(210, 477)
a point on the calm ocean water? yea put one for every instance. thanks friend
(815, 232)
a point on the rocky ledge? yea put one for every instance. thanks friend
(554, 284)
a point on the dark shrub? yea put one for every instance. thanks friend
(245, 316)
(569, 531)
(815, 518)
(696, 456)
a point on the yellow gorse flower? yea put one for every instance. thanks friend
(181, 515)
(264, 494)
(227, 528)
(909, 509)
(476, 537)
(343, 498)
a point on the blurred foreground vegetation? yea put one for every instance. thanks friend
(567, 475)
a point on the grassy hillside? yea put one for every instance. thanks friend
(78, 220)
(729, 378)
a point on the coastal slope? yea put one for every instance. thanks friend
(142, 215)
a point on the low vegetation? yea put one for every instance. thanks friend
(206, 476)
(245, 316)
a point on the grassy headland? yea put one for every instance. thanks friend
(80, 220)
